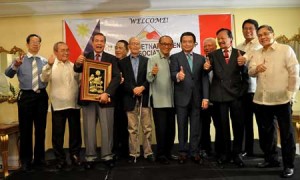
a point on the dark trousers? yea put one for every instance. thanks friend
(164, 120)
(205, 141)
(223, 138)
(187, 114)
(59, 119)
(248, 113)
(265, 120)
(32, 110)
(121, 143)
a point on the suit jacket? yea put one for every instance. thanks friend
(129, 82)
(196, 83)
(115, 80)
(230, 81)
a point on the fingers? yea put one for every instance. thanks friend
(181, 69)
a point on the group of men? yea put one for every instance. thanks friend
(186, 84)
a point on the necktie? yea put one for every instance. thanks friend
(97, 57)
(190, 60)
(226, 56)
(35, 82)
(135, 68)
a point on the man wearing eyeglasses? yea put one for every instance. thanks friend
(277, 70)
(191, 86)
(161, 99)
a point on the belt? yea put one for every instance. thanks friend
(31, 91)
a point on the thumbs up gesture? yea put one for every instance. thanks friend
(19, 60)
(122, 78)
(155, 69)
(241, 60)
(80, 58)
(207, 64)
(180, 74)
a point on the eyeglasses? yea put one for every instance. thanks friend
(166, 44)
(35, 43)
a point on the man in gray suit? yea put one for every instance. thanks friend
(229, 84)
(102, 110)
(191, 87)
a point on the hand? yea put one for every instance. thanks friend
(180, 74)
(207, 64)
(204, 104)
(80, 59)
(155, 70)
(51, 60)
(19, 60)
(103, 98)
(261, 68)
(241, 60)
(138, 91)
(122, 79)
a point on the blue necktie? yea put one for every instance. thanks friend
(190, 60)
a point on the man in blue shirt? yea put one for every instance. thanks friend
(32, 103)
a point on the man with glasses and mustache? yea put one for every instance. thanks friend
(277, 71)
(161, 99)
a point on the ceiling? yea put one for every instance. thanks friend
(11, 8)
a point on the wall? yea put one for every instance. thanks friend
(15, 29)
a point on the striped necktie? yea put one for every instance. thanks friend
(35, 78)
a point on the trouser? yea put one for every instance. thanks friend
(32, 110)
(59, 119)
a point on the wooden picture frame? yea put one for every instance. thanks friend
(96, 76)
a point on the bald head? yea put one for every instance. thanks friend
(209, 45)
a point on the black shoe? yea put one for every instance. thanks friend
(76, 160)
(132, 159)
(61, 164)
(150, 158)
(287, 172)
(182, 159)
(267, 164)
(162, 160)
(203, 154)
(197, 159)
(26, 167)
(172, 157)
(88, 165)
(110, 163)
(239, 161)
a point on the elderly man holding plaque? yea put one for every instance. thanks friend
(102, 109)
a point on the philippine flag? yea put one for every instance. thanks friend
(78, 35)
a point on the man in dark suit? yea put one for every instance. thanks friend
(191, 87)
(136, 95)
(229, 84)
(102, 110)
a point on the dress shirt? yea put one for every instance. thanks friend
(64, 84)
(250, 48)
(161, 85)
(24, 71)
(280, 82)
(135, 65)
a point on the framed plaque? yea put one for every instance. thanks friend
(96, 76)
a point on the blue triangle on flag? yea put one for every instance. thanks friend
(89, 47)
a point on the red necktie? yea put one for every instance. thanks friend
(226, 56)
(97, 58)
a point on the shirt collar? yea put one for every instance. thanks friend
(29, 55)
(229, 49)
